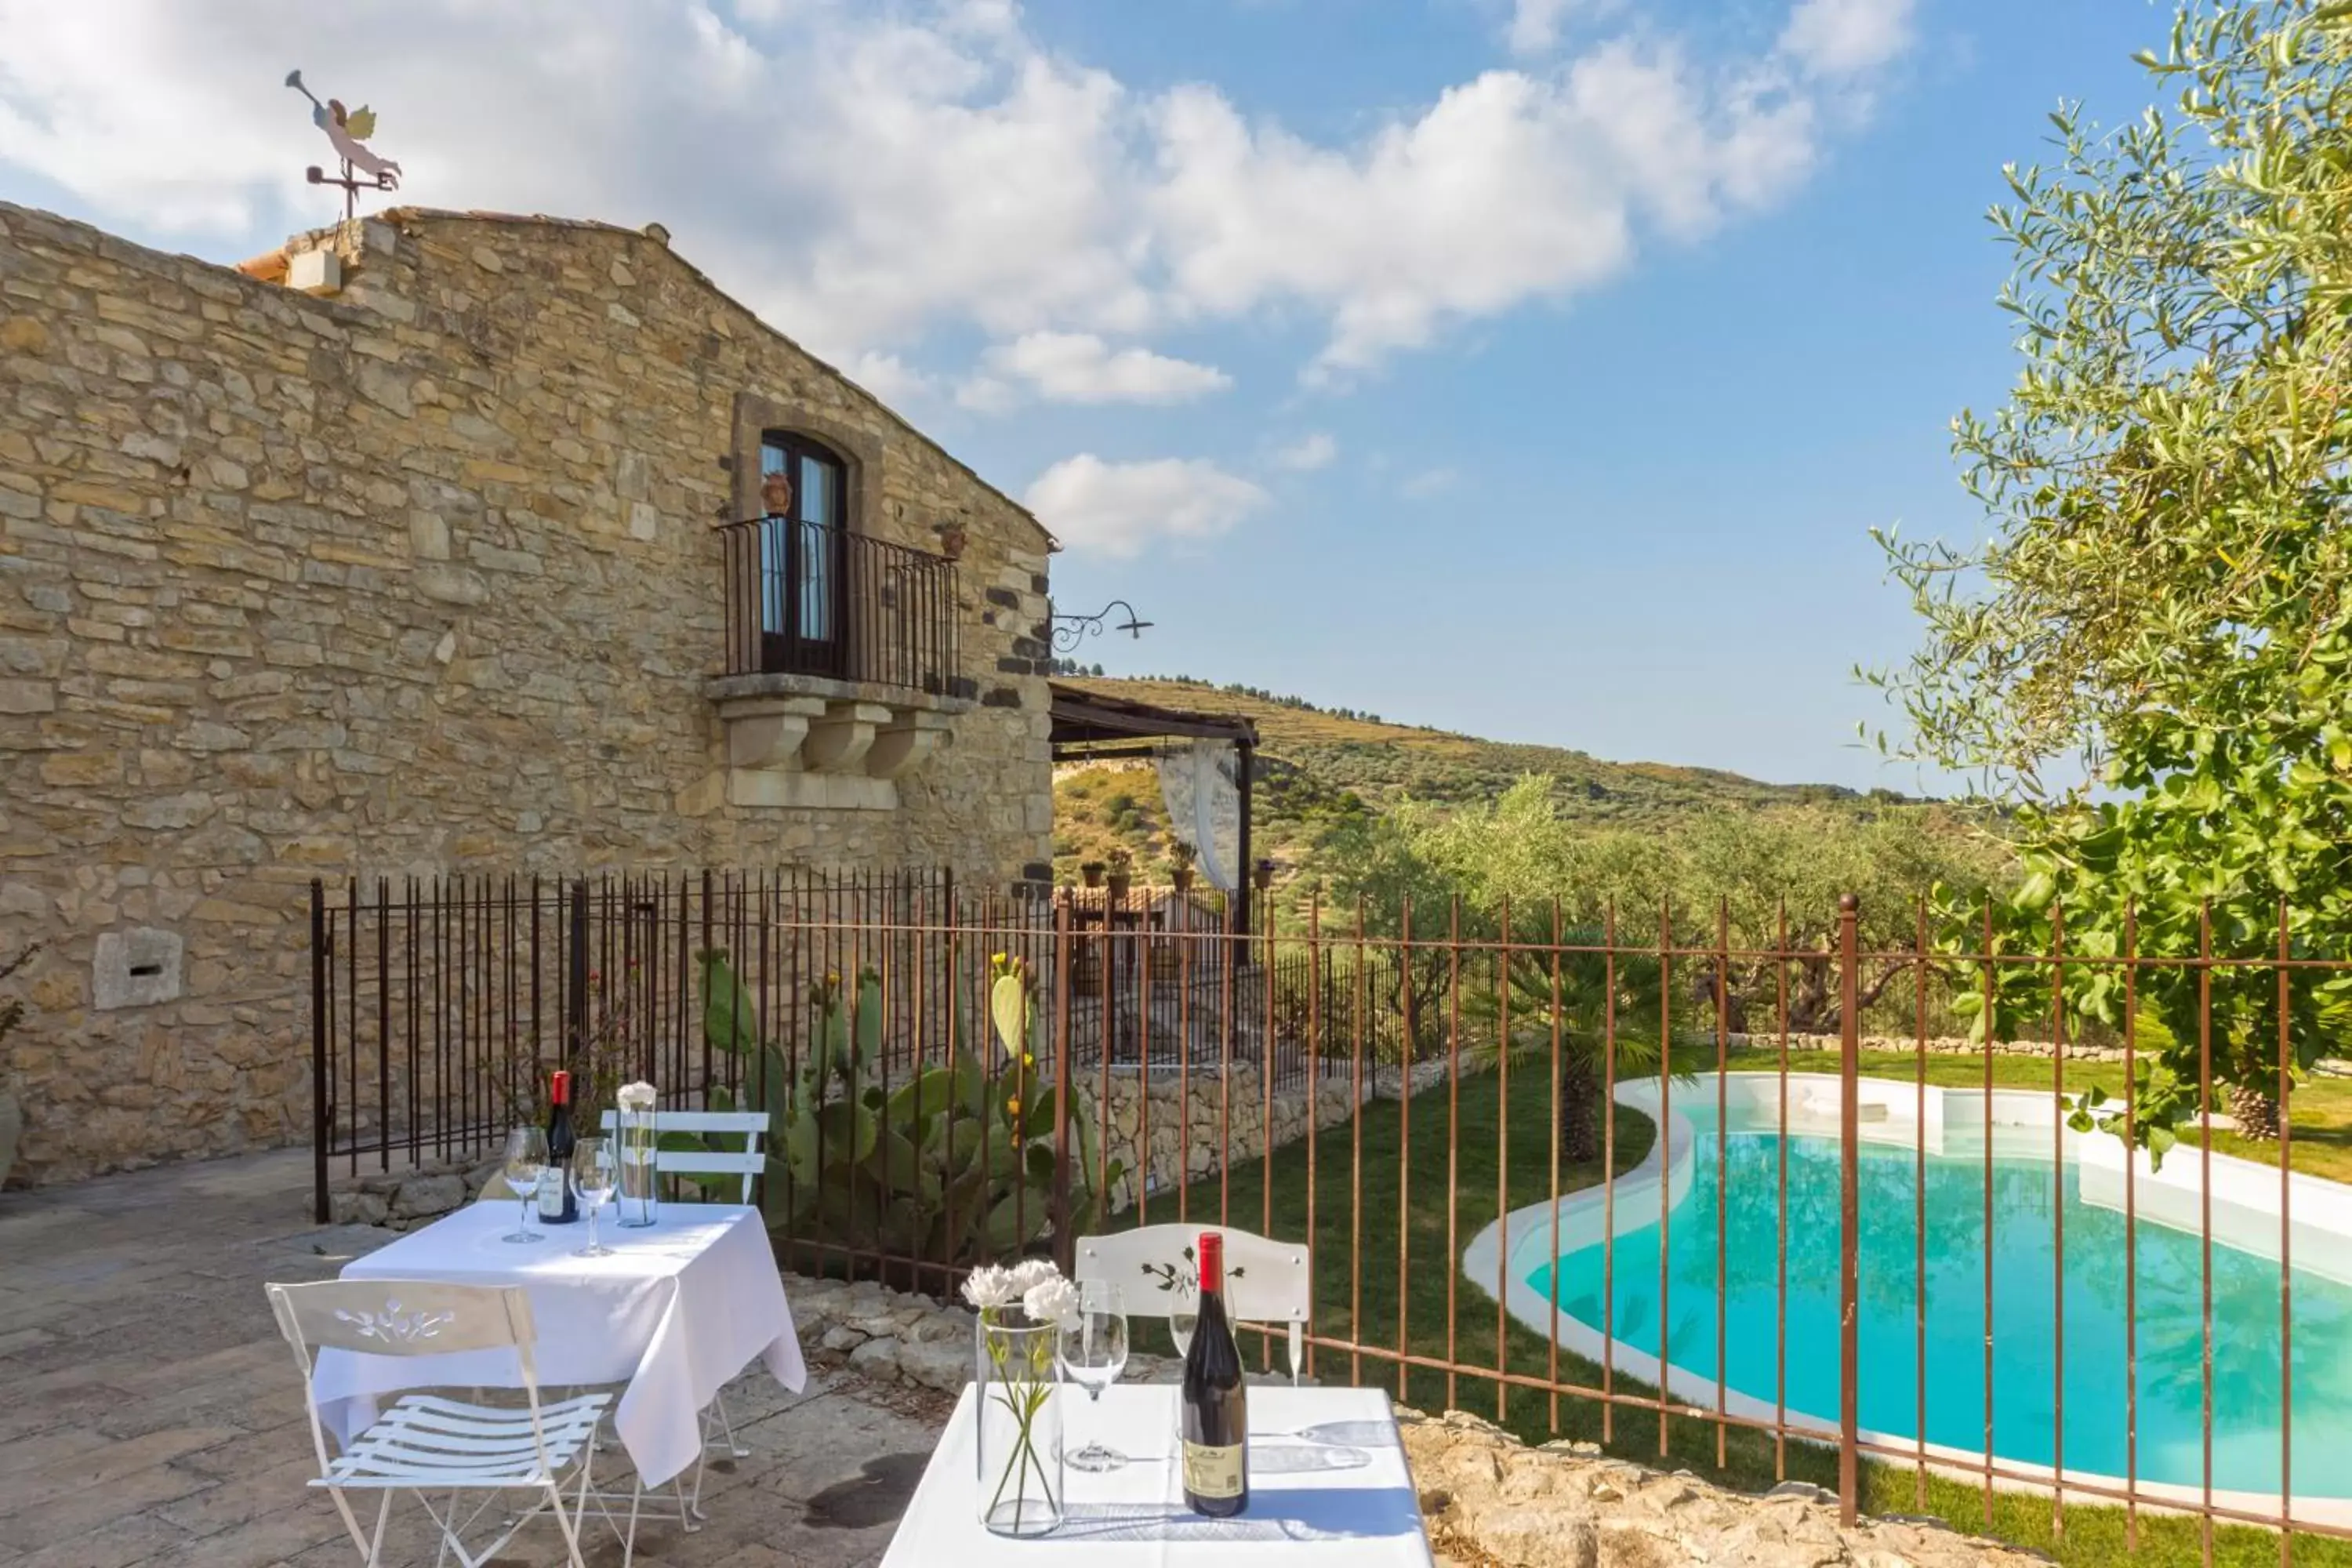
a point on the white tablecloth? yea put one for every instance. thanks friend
(1327, 1474)
(680, 1308)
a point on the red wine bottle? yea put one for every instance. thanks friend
(1215, 1401)
(556, 1203)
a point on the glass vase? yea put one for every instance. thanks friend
(1020, 1428)
(637, 1141)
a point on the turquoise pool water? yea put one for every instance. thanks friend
(2246, 1361)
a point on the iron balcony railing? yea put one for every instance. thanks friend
(808, 598)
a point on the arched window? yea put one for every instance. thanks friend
(802, 556)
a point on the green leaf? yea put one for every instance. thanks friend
(1008, 1011)
(730, 1015)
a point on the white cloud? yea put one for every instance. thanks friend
(1429, 482)
(1844, 38)
(1535, 25)
(890, 378)
(870, 177)
(1118, 508)
(1080, 367)
(1313, 450)
(1512, 187)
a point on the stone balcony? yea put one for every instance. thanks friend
(809, 741)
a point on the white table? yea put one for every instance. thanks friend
(1327, 1475)
(678, 1310)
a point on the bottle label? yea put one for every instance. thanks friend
(1213, 1472)
(550, 1195)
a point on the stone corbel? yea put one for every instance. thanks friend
(838, 743)
(768, 731)
(901, 745)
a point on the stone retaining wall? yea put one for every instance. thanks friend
(402, 1199)
(1938, 1046)
(1567, 1505)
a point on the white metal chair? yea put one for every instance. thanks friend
(425, 1444)
(749, 1162)
(1154, 1267)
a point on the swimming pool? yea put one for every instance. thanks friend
(1616, 1291)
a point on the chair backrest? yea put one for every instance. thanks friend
(1265, 1281)
(403, 1317)
(748, 1161)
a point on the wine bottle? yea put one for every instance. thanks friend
(1215, 1401)
(556, 1203)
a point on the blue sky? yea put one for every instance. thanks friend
(1532, 368)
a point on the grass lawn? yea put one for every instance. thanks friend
(1406, 1290)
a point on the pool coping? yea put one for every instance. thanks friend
(1896, 1113)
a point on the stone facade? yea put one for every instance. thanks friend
(415, 577)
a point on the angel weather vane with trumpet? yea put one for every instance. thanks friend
(349, 131)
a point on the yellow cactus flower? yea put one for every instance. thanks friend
(1013, 1105)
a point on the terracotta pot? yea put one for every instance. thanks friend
(1182, 879)
(1091, 873)
(1119, 883)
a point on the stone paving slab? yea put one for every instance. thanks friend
(151, 1416)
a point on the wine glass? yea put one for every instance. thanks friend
(1093, 1353)
(594, 1177)
(1179, 1330)
(526, 1157)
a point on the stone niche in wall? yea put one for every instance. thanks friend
(805, 741)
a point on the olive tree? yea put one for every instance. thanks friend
(2160, 606)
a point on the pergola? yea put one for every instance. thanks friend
(1088, 724)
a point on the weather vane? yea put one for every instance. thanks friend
(348, 131)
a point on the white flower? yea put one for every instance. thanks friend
(1032, 1272)
(990, 1289)
(636, 1097)
(1053, 1300)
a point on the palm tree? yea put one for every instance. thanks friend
(1601, 1008)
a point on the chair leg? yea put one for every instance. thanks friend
(383, 1514)
(350, 1521)
(563, 1522)
(727, 1425)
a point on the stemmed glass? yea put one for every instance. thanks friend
(594, 1177)
(526, 1158)
(1093, 1353)
(1179, 1330)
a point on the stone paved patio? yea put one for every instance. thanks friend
(149, 1414)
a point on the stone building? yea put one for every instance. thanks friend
(405, 550)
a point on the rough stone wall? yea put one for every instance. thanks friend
(1937, 1045)
(1487, 1497)
(1186, 1136)
(415, 579)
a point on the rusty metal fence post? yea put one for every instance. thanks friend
(1065, 1244)
(322, 958)
(576, 1045)
(1849, 1206)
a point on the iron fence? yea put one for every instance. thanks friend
(807, 598)
(1541, 1170)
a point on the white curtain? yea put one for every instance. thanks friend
(1200, 784)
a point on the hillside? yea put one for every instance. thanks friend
(1315, 763)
